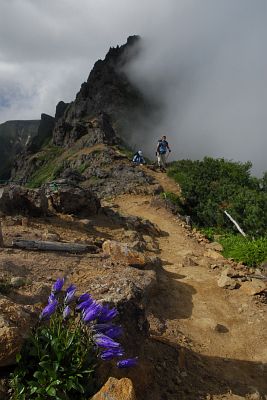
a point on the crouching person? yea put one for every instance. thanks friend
(138, 158)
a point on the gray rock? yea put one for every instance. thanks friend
(70, 199)
(17, 281)
(227, 283)
(214, 246)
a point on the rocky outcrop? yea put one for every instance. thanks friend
(97, 129)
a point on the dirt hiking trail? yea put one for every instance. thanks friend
(222, 332)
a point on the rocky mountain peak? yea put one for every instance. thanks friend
(107, 91)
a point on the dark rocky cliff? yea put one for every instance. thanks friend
(108, 96)
(14, 137)
(18, 139)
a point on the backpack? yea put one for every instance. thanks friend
(162, 146)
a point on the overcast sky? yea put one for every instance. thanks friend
(205, 60)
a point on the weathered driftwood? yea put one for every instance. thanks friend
(235, 223)
(1, 235)
(53, 246)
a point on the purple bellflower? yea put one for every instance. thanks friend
(51, 298)
(70, 293)
(84, 297)
(58, 285)
(111, 353)
(66, 312)
(104, 341)
(113, 331)
(85, 304)
(71, 288)
(107, 314)
(49, 310)
(102, 327)
(89, 314)
(128, 362)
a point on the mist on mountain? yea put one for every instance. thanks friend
(207, 70)
(203, 64)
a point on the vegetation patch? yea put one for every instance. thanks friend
(50, 168)
(213, 185)
(250, 252)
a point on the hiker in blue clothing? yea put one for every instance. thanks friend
(138, 158)
(162, 148)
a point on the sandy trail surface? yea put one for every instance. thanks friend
(224, 329)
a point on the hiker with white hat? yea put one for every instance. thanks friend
(138, 158)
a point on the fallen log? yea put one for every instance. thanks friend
(1, 235)
(54, 246)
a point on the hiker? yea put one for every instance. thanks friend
(138, 158)
(162, 148)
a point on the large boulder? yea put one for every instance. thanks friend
(123, 252)
(67, 198)
(20, 200)
(115, 389)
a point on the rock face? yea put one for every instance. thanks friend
(23, 165)
(97, 129)
(70, 199)
(105, 102)
(14, 328)
(116, 389)
(64, 197)
(14, 138)
(44, 133)
(19, 200)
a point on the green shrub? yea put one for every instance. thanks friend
(213, 185)
(250, 252)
